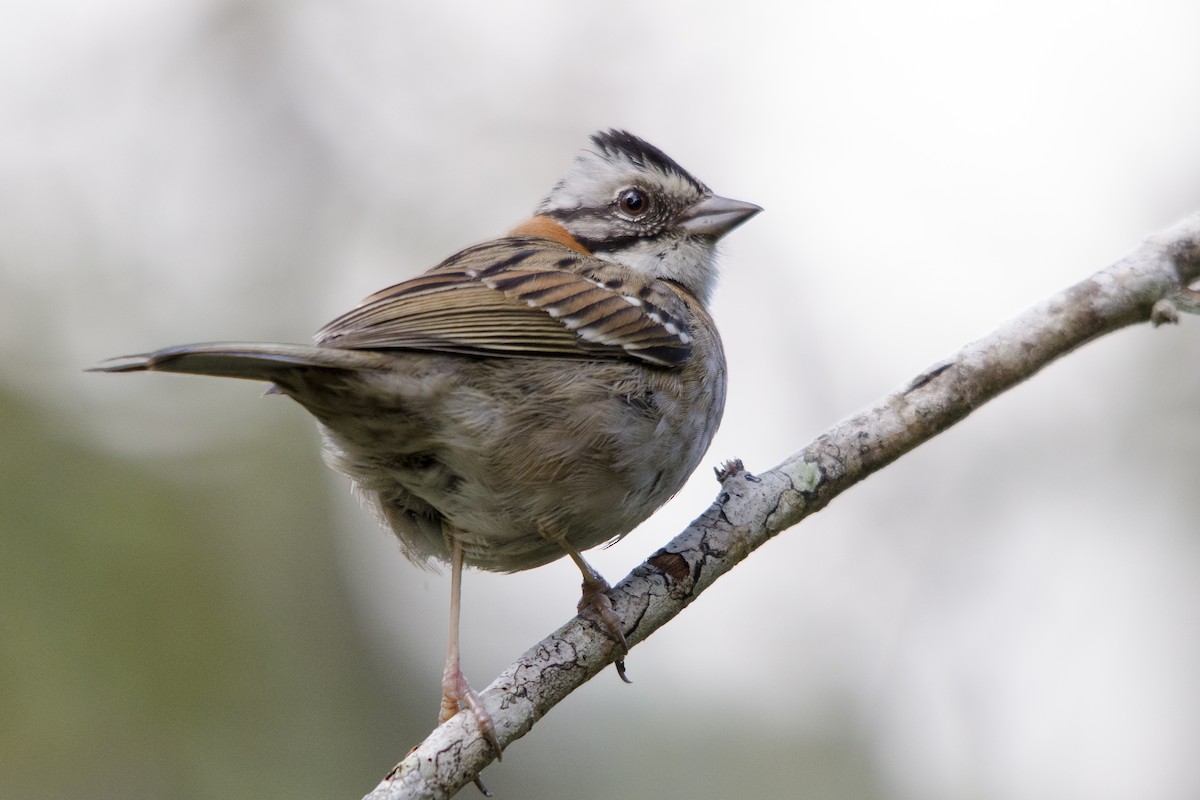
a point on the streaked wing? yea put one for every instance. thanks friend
(522, 297)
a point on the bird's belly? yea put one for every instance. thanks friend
(509, 519)
(512, 476)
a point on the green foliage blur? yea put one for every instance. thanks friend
(161, 640)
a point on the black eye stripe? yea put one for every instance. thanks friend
(611, 228)
(609, 244)
(605, 215)
(581, 214)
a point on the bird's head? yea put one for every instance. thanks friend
(628, 202)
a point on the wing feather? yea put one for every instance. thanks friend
(518, 297)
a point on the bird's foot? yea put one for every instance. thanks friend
(457, 695)
(596, 597)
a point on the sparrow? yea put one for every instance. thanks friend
(530, 397)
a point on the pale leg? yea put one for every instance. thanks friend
(457, 694)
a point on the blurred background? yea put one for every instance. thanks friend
(192, 606)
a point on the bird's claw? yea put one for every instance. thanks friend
(457, 695)
(597, 598)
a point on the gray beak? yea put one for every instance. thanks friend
(715, 216)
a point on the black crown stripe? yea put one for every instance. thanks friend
(642, 153)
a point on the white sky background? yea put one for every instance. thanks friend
(1010, 612)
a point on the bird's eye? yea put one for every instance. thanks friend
(634, 202)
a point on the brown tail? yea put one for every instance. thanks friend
(256, 362)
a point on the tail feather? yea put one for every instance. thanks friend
(249, 361)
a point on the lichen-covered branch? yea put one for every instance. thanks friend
(1151, 284)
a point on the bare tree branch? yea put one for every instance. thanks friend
(1150, 284)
